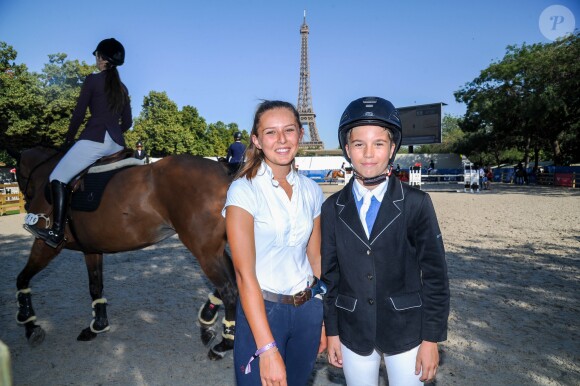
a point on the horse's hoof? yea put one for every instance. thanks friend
(36, 336)
(208, 334)
(220, 350)
(86, 335)
(215, 356)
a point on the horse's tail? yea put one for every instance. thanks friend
(328, 174)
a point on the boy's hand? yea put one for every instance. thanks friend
(334, 351)
(427, 361)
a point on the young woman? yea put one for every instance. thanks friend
(107, 98)
(273, 226)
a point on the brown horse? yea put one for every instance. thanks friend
(334, 175)
(140, 206)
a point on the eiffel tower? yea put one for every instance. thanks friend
(304, 105)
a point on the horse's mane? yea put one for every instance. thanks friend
(43, 151)
(48, 148)
(42, 147)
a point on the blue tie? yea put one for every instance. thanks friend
(371, 215)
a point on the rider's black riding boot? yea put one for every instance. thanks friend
(55, 235)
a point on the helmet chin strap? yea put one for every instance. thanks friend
(373, 181)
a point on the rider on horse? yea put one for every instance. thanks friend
(108, 101)
(235, 155)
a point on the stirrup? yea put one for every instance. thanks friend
(53, 239)
(33, 230)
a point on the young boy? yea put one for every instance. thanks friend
(383, 259)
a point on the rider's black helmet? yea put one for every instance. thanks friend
(370, 111)
(112, 51)
(139, 143)
(237, 135)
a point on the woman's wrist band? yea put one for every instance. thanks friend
(258, 352)
(269, 352)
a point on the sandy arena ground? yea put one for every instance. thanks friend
(514, 268)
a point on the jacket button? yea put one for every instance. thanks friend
(371, 301)
(368, 252)
(370, 277)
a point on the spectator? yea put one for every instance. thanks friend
(140, 153)
(431, 167)
(398, 170)
(235, 155)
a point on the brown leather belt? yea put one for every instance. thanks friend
(296, 300)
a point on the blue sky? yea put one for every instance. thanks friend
(223, 57)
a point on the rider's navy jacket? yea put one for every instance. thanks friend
(236, 152)
(102, 119)
(389, 291)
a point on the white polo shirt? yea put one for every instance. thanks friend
(282, 226)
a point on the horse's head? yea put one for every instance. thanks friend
(34, 167)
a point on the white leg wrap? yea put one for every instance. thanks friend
(98, 301)
(215, 300)
(32, 318)
(206, 322)
(99, 331)
(227, 325)
(23, 291)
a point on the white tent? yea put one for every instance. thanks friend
(320, 163)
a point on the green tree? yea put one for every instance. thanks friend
(165, 130)
(527, 102)
(61, 84)
(36, 108)
(21, 103)
(555, 79)
(219, 138)
(159, 127)
(196, 125)
(451, 137)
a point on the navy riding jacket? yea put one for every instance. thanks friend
(236, 152)
(102, 119)
(389, 291)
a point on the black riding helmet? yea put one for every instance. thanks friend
(237, 135)
(370, 111)
(112, 51)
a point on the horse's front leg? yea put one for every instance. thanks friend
(229, 295)
(207, 317)
(40, 256)
(228, 292)
(100, 323)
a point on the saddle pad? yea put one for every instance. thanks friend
(116, 165)
(88, 197)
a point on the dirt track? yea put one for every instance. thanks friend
(514, 267)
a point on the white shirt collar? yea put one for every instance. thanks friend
(378, 192)
(265, 169)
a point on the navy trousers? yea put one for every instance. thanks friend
(297, 334)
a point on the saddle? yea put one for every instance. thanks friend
(88, 186)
